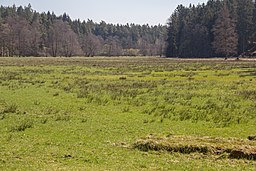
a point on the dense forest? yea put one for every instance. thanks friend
(217, 28)
(25, 32)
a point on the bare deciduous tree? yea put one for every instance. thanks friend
(20, 33)
(62, 40)
(70, 43)
(91, 44)
(5, 39)
(112, 47)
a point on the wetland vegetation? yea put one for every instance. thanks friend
(127, 113)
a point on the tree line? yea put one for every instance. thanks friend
(216, 28)
(25, 32)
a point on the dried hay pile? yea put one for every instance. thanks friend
(235, 148)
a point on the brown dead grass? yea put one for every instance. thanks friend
(235, 148)
(110, 61)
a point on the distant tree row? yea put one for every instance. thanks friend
(25, 32)
(217, 28)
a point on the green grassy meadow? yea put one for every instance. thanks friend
(87, 113)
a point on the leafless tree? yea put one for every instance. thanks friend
(19, 36)
(62, 40)
(70, 43)
(55, 35)
(5, 39)
(91, 44)
(112, 47)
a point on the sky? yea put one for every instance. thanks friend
(152, 12)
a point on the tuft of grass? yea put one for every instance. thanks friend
(56, 94)
(36, 102)
(21, 125)
(122, 78)
(11, 108)
(252, 138)
(84, 120)
(62, 116)
(247, 94)
(44, 120)
(2, 116)
(126, 109)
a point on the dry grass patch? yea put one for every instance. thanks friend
(235, 148)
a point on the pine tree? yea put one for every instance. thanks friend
(225, 37)
(172, 49)
(245, 23)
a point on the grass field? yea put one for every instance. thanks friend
(127, 114)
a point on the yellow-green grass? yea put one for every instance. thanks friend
(83, 113)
